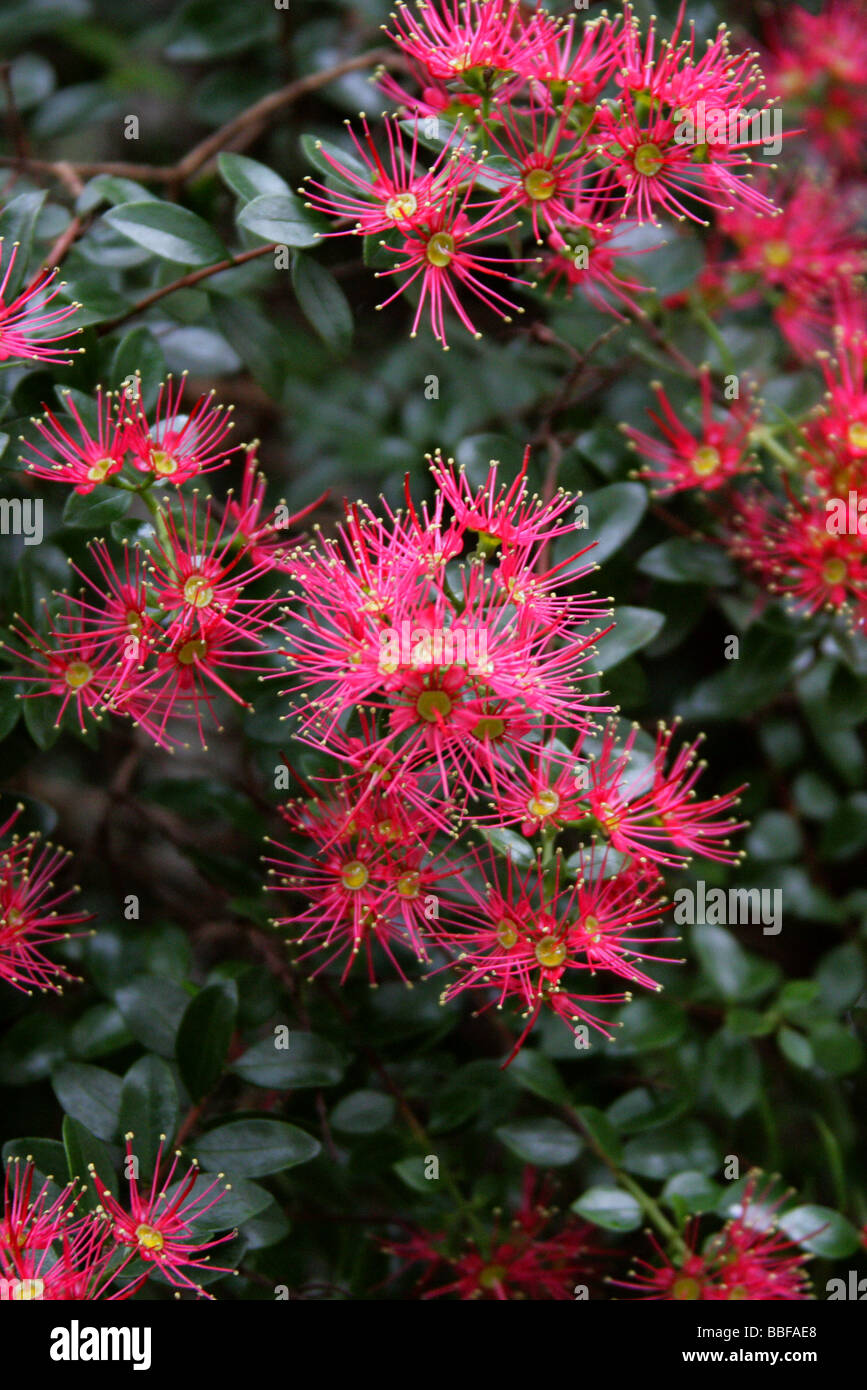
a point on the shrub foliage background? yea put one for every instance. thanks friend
(754, 1048)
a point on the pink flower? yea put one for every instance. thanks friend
(71, 664)
(438, 250)
(88, 460)
(650, 810)
(263, 535)
(451, 38)
(534, 940)
(706, 460)
(792, 551)
(173, 447)
(24, 320)
(80, 1270)
(747, 1260)
(545, 164)
(29, 916)
(32, 1220)
(389, 193)
(160, 1226)
(202, 571)
(529, 1260)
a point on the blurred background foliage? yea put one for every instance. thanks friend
(754, 1048)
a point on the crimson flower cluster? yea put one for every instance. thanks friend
(438, 660)
(529, 1259)
(564, 133)
(160, 628)
(748, 1259)
(30, 918)
(51, 1249)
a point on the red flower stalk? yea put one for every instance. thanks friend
(32, 1220)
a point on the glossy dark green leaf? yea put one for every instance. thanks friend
(169, 231)
(204, 1035)
(254, 1148)
(90, 1095)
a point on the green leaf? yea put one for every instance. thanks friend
(108, 188)
(610, 1208)
(602, 1131)
(17, 221)
(31, 1048)
(682, 561)
(95, 510)
(204, 1035)
(532, 1071)
(735, 975)
(840, 976)
(248, 178)
(635, 628)
(100, 1030)
(545, 1142)
(40, 719)
(152, 1008)
(845, 832)
(10, 708)
(821, 1231)
(171, 232)
(139, 354)
(508, 842)
(642, 1109)
(201, 31)
(647, 1025)
(90, 1095)
(835, 1049)
(242, 1201)
(662, 1153)
(613, 513)
(363, 1112)
(735, 1073)
(83, 1149)
(49, 1157)
(315, 151)
(255, 1148)
(149, 1107)
(691, 1193)
(307, 1060)
(282, 218)
(411, 1170)
(323, 302)
(795, 1047)
(774, 836)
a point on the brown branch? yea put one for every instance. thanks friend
(184, 282)
(242, 129)
(244, 125)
